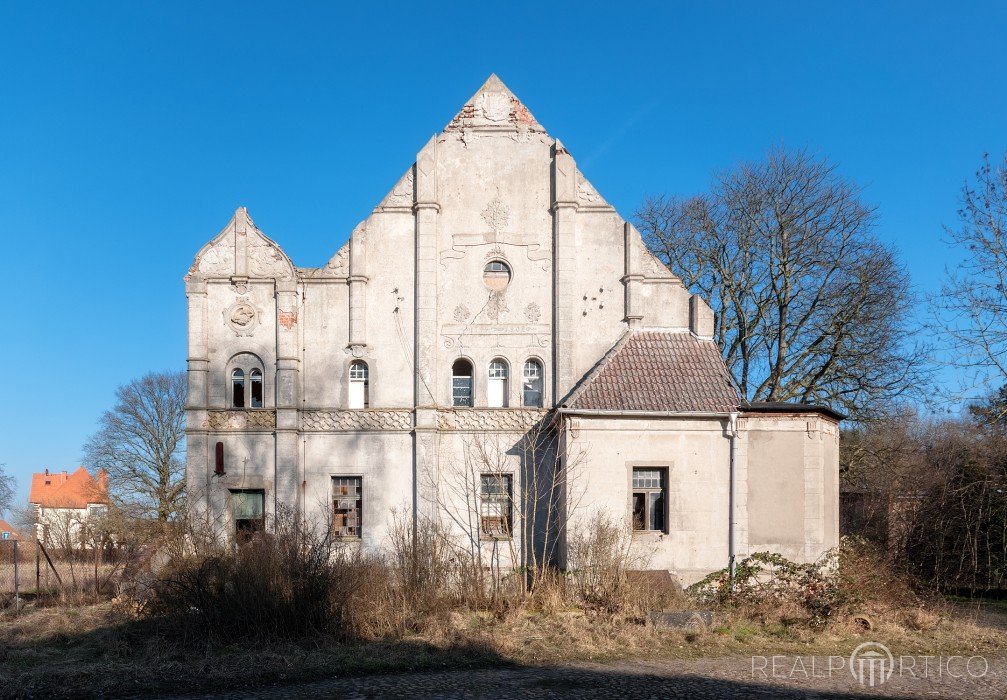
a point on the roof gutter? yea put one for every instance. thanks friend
(643, 414)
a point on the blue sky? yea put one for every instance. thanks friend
(131, 131)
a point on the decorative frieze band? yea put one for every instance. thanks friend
(476, 419)
(374, 419)
(240, 419)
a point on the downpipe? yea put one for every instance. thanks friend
(732, 428)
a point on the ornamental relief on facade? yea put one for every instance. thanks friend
(372, 419)
(478, 419)
(241, 317)
(238, 419)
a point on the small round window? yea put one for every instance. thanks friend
(496, 275)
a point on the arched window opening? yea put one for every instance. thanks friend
(532, 385)
(255, 379)
(496, 388)
(461, 383)
(238, 388)
(359, 391)
(496, 275)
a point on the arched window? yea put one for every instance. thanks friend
(247, 377)
(238, 388)
(532, 384)
(496, 384)
(255, 379)
(461, 383)
(358, 395)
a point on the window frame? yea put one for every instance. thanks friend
(353, 381)
(246, 533)
(664, 471)
(541, 383)
(238, 382)
(471, 383)
(255, 377)
(358, 508)
(495, 366)
(505, 497)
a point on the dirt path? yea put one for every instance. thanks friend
(697, 678)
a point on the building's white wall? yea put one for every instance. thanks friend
(602, 453)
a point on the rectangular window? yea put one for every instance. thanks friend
(496, 513)
(347, 505)
(248, 508)
(649, 498)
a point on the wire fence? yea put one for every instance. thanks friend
(31, 571)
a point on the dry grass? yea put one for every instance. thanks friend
(60, 651)
(300, 615)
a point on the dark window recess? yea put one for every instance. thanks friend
(461, 384)
(218, 463)
(238, 388)
(256, 380)
(248, 508)
(347, 506)
(496, 513)
(649, 498)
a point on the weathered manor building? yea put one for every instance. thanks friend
(495, 349)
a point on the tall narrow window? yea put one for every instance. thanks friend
(496, 388)
(347, 506)
(461, 383)
(532, 384)
(358, 395)
(255, 379)
(649, 497)
(238, 388)
(496, 514)
(248, 509)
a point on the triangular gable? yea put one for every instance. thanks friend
(494, 107)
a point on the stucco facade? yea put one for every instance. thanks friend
(493, 250)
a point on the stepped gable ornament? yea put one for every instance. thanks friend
(242, 317)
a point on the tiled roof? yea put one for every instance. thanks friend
(62, 490)
(658, 371)
(6, 528)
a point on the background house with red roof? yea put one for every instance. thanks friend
(7, 532)
(64, 503)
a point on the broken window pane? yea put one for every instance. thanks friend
(248, 509)
(238, 388)
(347, 506)
(649, 498)
(256, 380)
(496, 517)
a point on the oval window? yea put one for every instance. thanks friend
(496, 275)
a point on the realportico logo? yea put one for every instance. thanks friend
(871, 664)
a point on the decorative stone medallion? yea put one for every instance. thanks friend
(495, 106)
(242, 317)
(532, 312)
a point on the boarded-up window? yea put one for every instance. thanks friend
(248, 509)
(347, 506)
(496, 515)
(649, 498)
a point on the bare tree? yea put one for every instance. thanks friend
(6, 489)
(810, 305)
(972, 306)
(140, 443)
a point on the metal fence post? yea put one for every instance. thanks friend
(17, 587)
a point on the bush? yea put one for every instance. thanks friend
(290, 585)
(852, 579)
